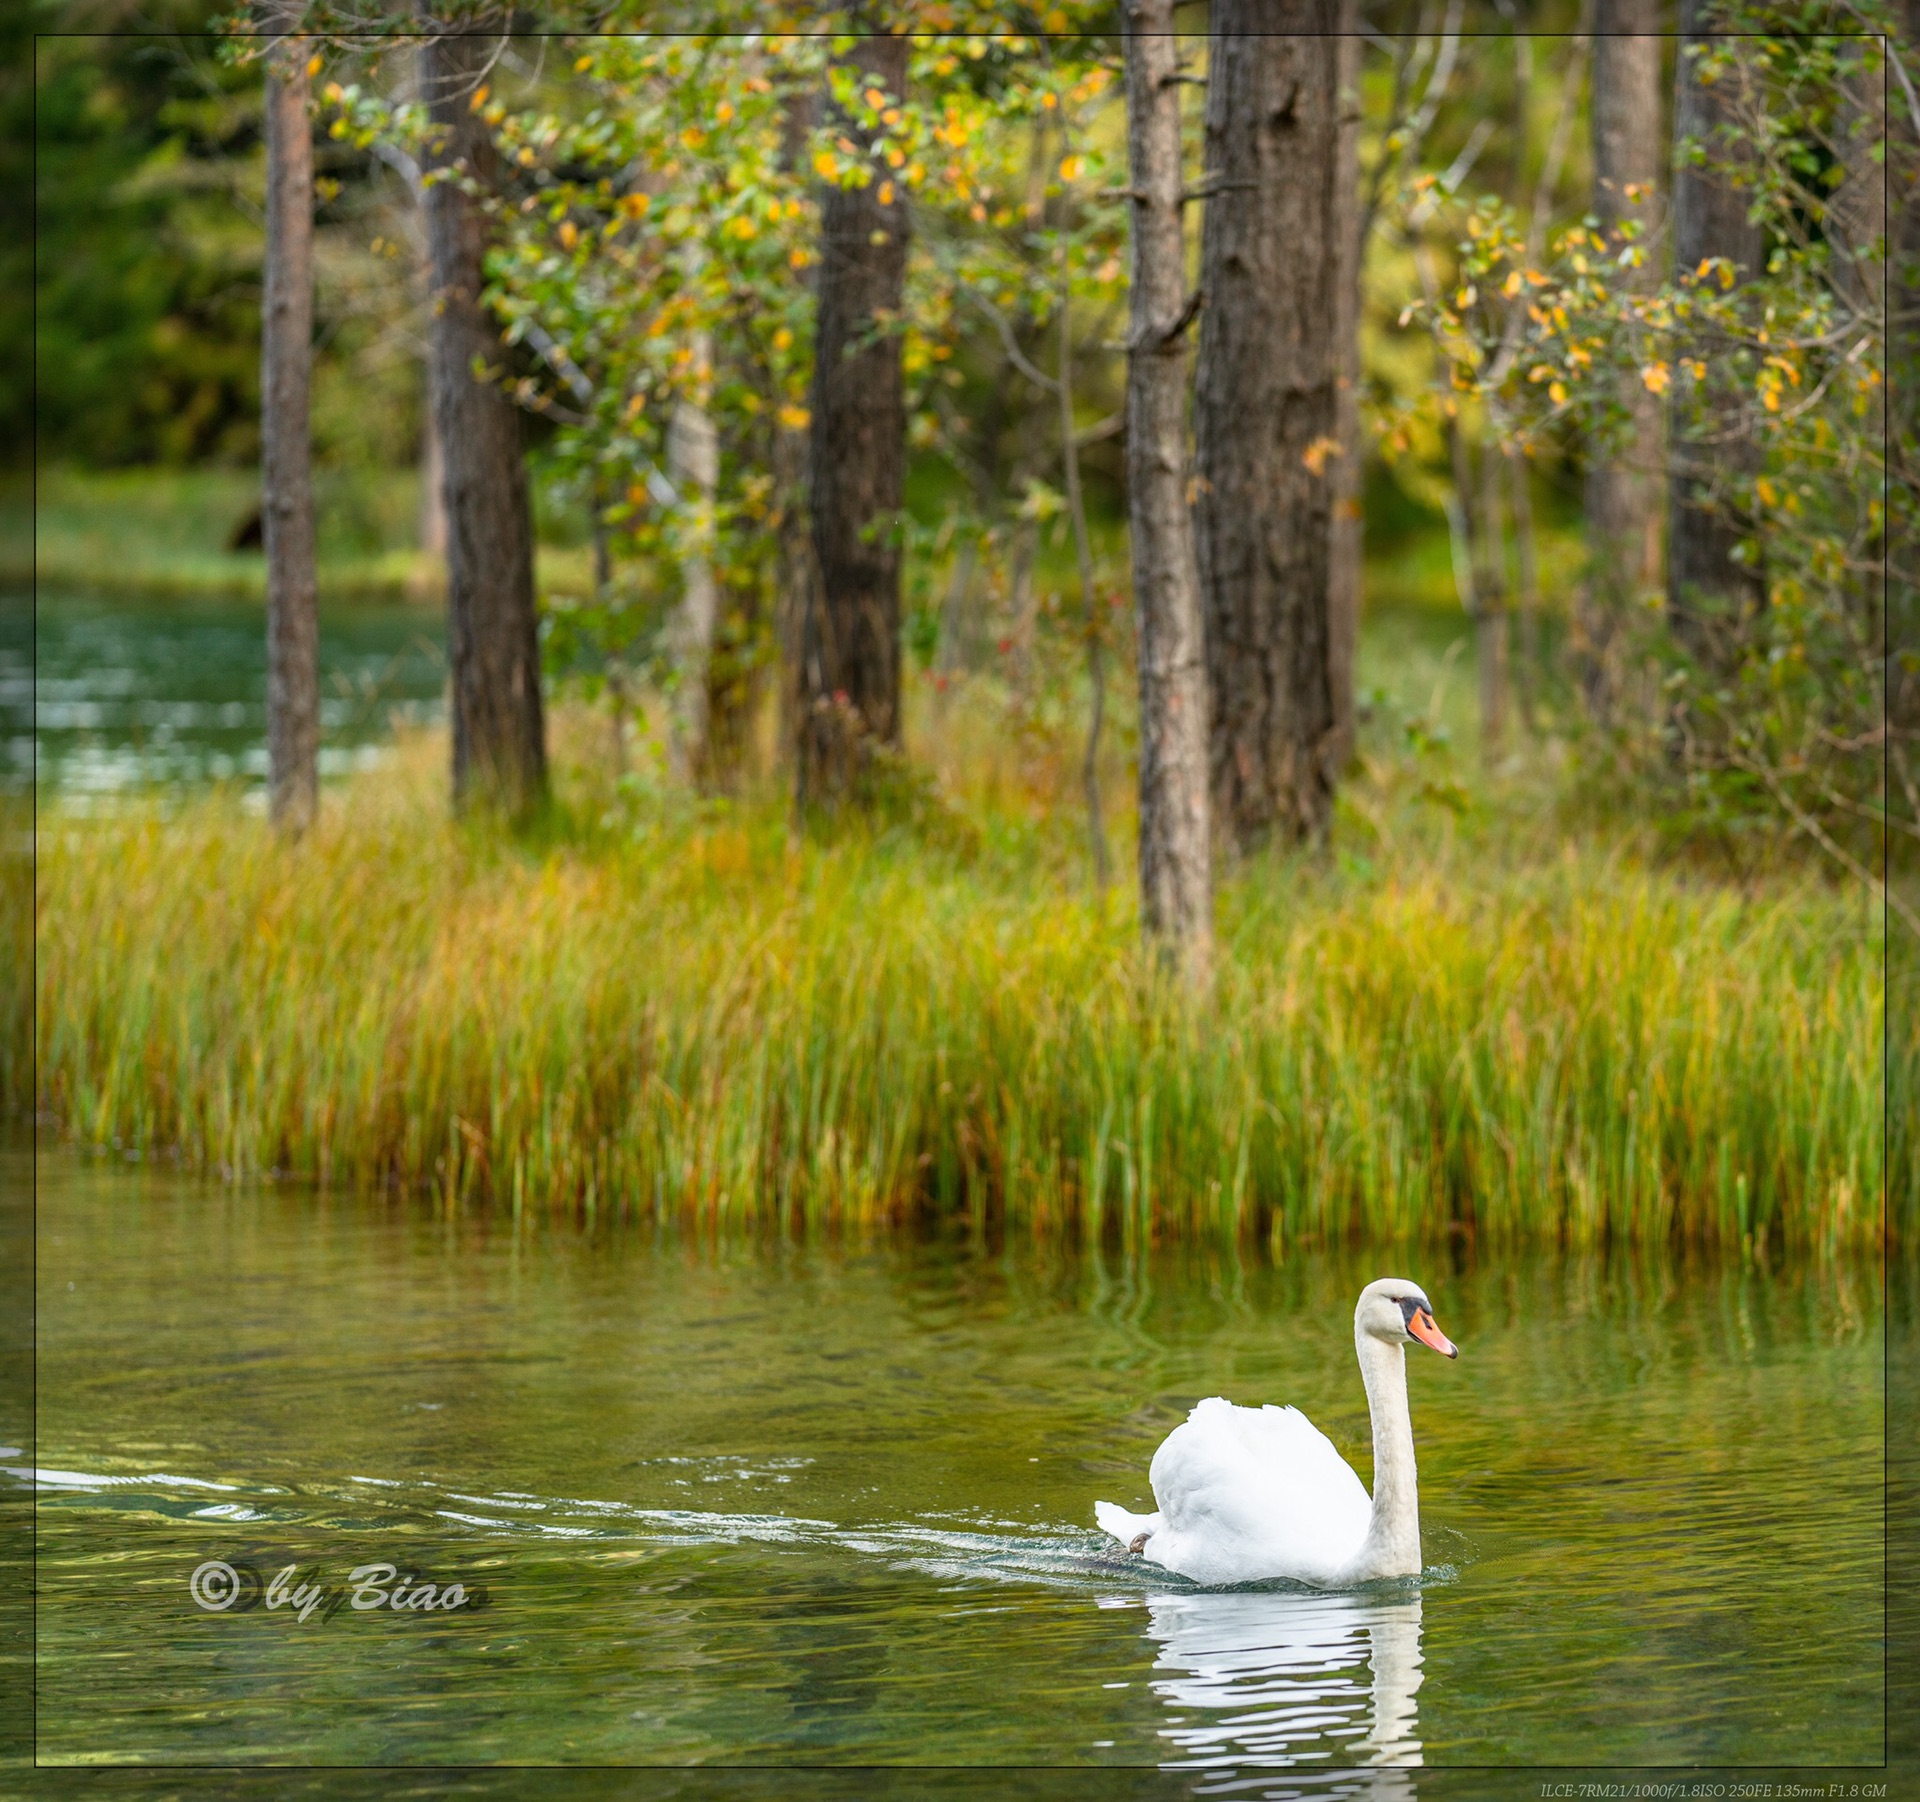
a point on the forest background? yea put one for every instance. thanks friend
(1558, 845)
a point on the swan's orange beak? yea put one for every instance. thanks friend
(1422, 1326)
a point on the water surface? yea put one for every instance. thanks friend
(130, 693)
(740, 1501)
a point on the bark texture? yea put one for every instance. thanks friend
(1265, 414)
(1707, 591)
(499, 736)
(693, 464)
(1176, 872)
(850, 641)
(286, 459)
(797, 578)
(1624, 481)
(1345, 557)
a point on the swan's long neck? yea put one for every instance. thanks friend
(1392, 1547)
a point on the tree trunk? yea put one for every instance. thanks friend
(1348, 545)
(796, 574)
(499, 736)
(286, 457)
(433, 487)
(1089, 600)
(1176, 875)
(1265, 414)
(850, 651)
(1624, 480)
(1490, 620)
(1708, 593)
(693, 465)
(1022, 610)
(1526, 556)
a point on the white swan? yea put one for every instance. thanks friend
(1247, 1494)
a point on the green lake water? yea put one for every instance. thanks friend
(768, 1503)
(100, 694)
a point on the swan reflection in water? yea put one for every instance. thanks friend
(1284, 1679)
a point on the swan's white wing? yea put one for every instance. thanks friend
(1123, 1526)
(1247, 1493)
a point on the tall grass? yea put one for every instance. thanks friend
(691, 1014)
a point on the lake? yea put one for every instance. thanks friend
(129, 693)
(768, 1502)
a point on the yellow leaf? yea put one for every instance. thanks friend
(782, 339)
(826, 165)
(569, 234)
(1655, 377)
(1557, 393)
(1512, 285)
(724, 111)
(582, 65)
(886, 193)
(479, 98)
(795, 419)
(876, 99)
(1315, 456)
(1070, 168)
(313, 67)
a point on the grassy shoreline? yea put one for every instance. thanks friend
(657, 1007)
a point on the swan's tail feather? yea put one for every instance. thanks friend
(1123, 1526)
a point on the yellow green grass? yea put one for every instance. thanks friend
(657, 1007)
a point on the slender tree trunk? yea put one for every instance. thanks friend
(433, 487)
(1021, 606)
(797, 576)
(1491, 619)
(1708, 593)
(1176, 875)
(499, 735)
(956, 615)
(286, 457)
(1089, 601)
(796, 573)
(1345, 564)
(693, 464)
(850, 650)
(1526, 551)
(1265, 414)
(1624, 480)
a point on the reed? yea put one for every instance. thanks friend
(676, 1011)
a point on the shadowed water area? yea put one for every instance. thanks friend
(756, 1502)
